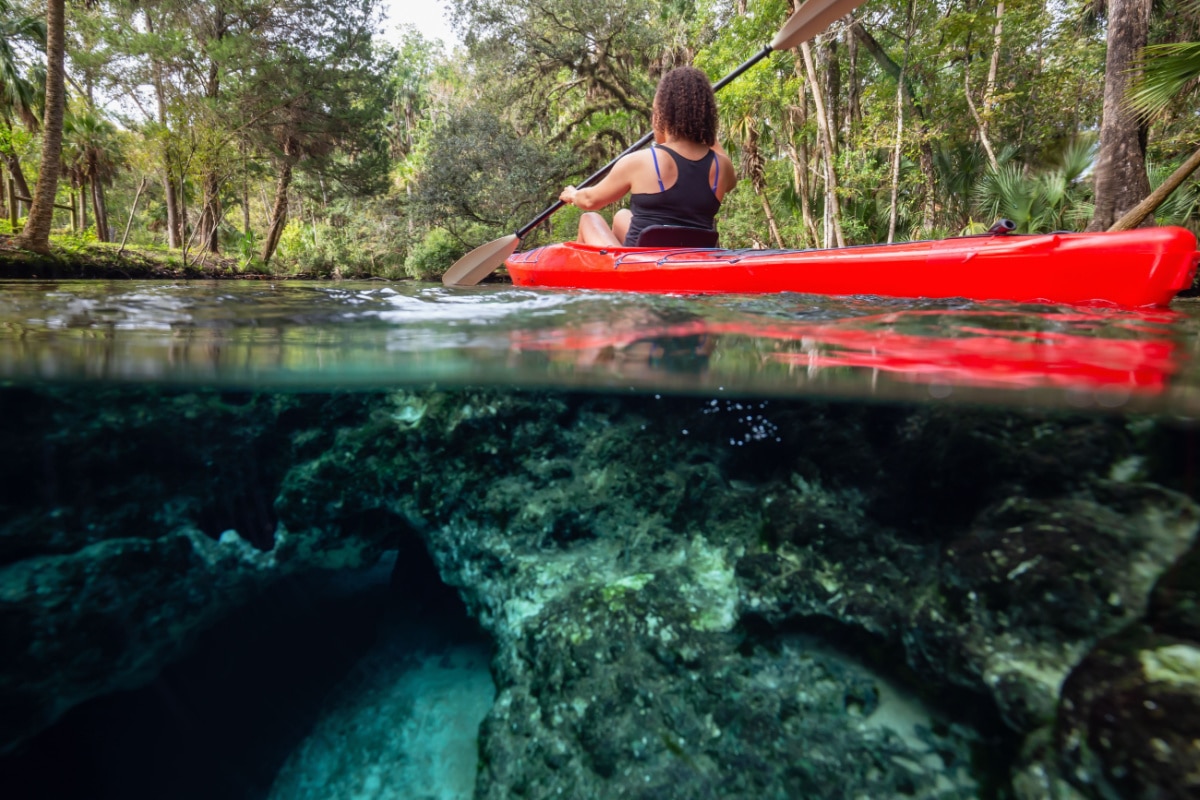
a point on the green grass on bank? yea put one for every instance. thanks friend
(74, 256)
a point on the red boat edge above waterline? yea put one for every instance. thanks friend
(1144, 267)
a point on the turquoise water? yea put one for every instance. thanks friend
(300, 540)
(309, 336)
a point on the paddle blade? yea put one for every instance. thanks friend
(480, 262)
(809, 20)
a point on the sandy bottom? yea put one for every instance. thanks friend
(904, 715)
(403, 725)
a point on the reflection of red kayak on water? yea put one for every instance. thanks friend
(963, 348)
(1144, 267)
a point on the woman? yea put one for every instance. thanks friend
(680, 180)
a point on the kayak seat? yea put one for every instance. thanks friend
(676, 236)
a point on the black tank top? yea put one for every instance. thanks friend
(691, 200)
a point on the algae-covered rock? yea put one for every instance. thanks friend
(142, 518)
(109, 616)
(1129, 722)
(624, 692)
(1035, 583)
(642, 567)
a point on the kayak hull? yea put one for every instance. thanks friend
(1145, 267)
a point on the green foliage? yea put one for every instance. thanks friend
(20, 81)
(433, 255)
(294, 240)
(77, 241)
(402, 157)
(1051, 199)
(1182, 207)
(247, 247)
(15, 141)
(480, 173)
(580, 57)
(92, 147)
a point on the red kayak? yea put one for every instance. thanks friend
(1144, 267)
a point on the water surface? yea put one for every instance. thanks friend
(319, 336)
(288, 540)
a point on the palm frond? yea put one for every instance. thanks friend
(1168, 71)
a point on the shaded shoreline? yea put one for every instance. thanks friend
(100, 261)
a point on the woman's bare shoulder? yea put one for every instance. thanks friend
(636, 159)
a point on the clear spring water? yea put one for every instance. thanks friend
(703, 354)
(318, 337)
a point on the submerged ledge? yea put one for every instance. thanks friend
(671, 614)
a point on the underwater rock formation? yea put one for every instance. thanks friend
(686, 597)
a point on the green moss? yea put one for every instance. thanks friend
(1177, 664)
(615, 593)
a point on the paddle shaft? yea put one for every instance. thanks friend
(640, 143)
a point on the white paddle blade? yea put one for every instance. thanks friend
(811, 19)
(480, 262)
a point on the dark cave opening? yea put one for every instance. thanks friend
(220, 722)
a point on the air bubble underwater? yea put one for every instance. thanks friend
(760, 429)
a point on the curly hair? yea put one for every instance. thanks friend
(686, 106)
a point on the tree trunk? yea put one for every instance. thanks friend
(894, 211)
(174, 230)
(853, 101)
(11, 188)
(989, 91)
(99, 211)
(210, 213)
(889, 66)
(280, 211)
(181, 198)
(83, 195)
(18, 176)
(796, 121)
(174, 239)
(798, 155)
(1138, 214)
(132, 211)
(245, 195)
(210, 208)
(833, 211)
(833, 91)
(772, 226)
(983, 120)
(981, 123)
(1121, 181)
(36, 235)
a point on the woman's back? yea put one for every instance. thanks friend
(685, 192)
(685, 121)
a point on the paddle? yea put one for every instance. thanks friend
(811, 18)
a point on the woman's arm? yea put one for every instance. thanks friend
(615, 185)
(729, 176)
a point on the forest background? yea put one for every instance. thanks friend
(286, 137)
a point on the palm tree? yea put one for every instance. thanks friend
(18, 93)
(36, 235)
(91, 156)
(1120, 174)
(1050, 200)
(1169, 72)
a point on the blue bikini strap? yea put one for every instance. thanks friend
(657, 174)
(717, 174)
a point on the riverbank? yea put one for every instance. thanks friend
(109, 261)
